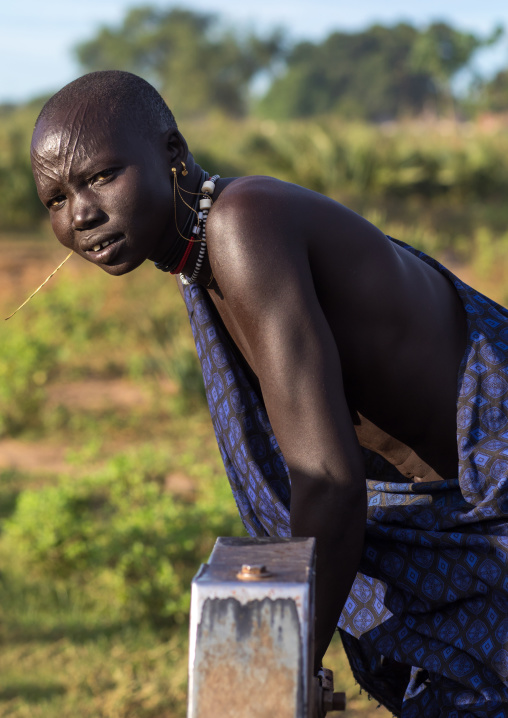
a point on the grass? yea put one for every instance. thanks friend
(64, 657)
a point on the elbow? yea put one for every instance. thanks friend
(324, 505)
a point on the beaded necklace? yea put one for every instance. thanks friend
(173, 258)
(178, 254)
(205, 204)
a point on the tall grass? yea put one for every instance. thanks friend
(448, 178)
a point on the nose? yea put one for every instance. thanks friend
(86, 212)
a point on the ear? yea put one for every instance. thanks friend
(176, 148)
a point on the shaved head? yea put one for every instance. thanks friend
(102, 155)
(122, 95)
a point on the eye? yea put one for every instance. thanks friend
(56, 202)
(102, 176)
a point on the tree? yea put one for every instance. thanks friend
(494, 94)
(195, 62)
(440, 52)
(380, 73)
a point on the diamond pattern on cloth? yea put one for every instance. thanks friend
(425, 626)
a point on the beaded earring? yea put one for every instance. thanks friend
(176, 188)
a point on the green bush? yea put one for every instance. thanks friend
(20, 207)
(25, 364)
(124, 525)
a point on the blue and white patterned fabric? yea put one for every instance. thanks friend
(425, 625)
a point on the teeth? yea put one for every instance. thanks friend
(102, 245)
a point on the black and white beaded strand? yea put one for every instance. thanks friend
(176, 251)
(205, 204)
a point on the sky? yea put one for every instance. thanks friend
(37, 37)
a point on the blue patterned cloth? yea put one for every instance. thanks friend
(425, 625)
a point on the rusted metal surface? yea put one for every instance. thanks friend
(251, 641)
(249, 660)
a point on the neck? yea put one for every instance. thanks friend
(169, 254)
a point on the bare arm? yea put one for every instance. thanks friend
(264, 274)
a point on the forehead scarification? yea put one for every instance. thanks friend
(45, 159)
(114, 98)
(42, 170)
(75, 120)
(59, 144)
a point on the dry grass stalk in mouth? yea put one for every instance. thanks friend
(39, 287)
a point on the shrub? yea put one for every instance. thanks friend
(121, 523)
(25, 364)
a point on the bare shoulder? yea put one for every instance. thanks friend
(266, 219)
(248, 203)
(259, 186)
(262, 228)
(251, 233)
(259, 207)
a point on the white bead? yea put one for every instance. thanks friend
(208, 187)
(205, 204)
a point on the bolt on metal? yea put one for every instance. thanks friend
(253, 572)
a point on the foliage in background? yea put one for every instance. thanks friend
(194, 61)
(441, 51)
(378, 74)
(432, 184)
(207, 71)
(25, 364)
(96, 561)
(402, 161)
(200, 65)
(95, 582)
(455, 173)
(20, 207)
(121, 527)
(493, 96)
(78, 330)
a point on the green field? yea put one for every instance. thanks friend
(111, 486)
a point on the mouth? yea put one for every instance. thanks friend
(103, 248)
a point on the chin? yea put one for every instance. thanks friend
(118, 270)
